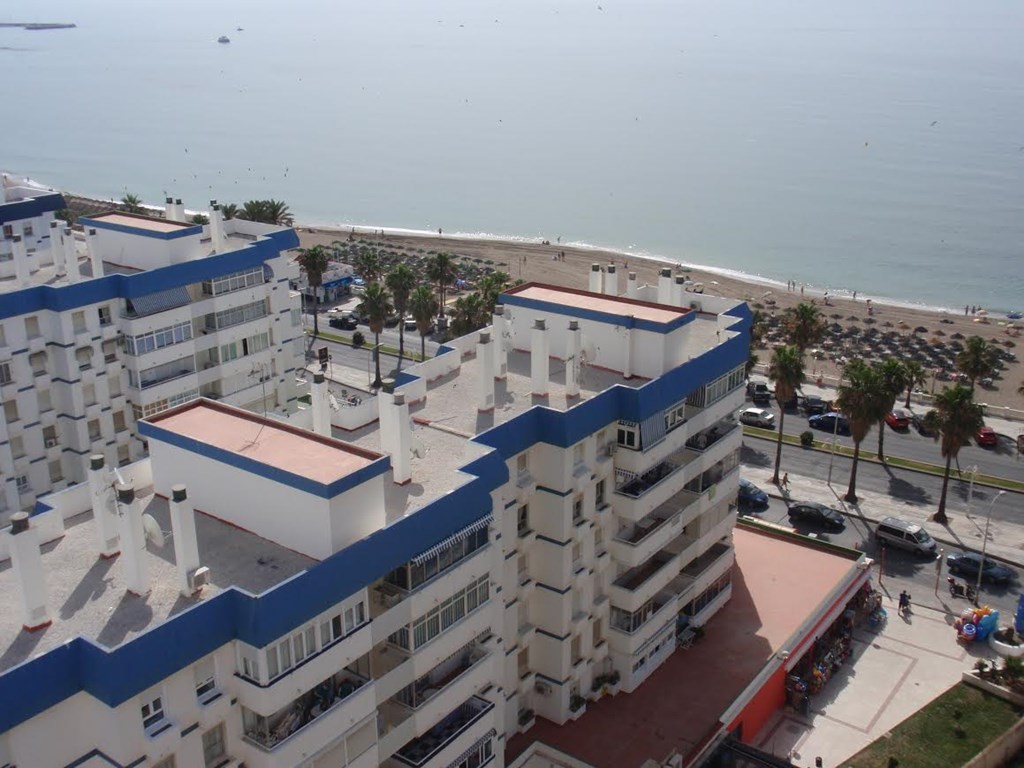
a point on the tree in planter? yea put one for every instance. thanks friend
(375, 307)
(576, 702)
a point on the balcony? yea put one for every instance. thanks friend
(641, 484)
(635, 578)
(270, 734)
(703, 440)
(444, 676)
(638, 585)
(420, 751)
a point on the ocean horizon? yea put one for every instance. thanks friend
(869, 148)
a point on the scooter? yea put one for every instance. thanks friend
(956, 589)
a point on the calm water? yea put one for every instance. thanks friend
(874, 146)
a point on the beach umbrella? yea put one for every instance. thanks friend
(836, 316)
(887, 324)
(946, 321)
(853, 318)
(920, 329)
(902, 325)
(939, 332)
(870, 320)
(957, 335)
(1009, 343)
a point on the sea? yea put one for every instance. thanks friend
(870, 146)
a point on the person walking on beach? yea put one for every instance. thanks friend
(801, 289)
(854, 295)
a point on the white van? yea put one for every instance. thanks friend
(899, 533)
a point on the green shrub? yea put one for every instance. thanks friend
(807, 439)
(358, 340)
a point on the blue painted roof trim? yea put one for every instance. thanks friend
(66, 297)
(114, 676)
(175, 234)
(29, 209)
(608, 318)
(260, 469)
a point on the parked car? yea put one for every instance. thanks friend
(986, 437)
(750, 496)
(818, 514)
(758, 417)
(898, 419)
(346, 322)
(760, 393)
(966, 564)
(921, 425)
(411, 327)
(893, 531)
(830, 422)
(813, 405)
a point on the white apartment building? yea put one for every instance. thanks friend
(527, 520)
(132, 316)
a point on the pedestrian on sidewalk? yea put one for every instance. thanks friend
(785, 480)
(904, 602)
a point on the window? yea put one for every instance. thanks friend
(84, 357)
(700, 602)
(27, 230)
(422, 569)
(440, 618)
(3, 336)
(675, 416)
(11, 411)
(341, 624)
(152, 712)
(236, 315)
(119, 422)
(523, 520)
(205, 679)
(522, 463)
(45, 400)
(94, 429)
(577, 557)
(17, 447)
(114, 385)
(5, 372)
(32, 327)
(233, 282)
(599, 493)
(78, 321)
(577, 508)
(577, 454)
(56, 471)
(158, 339)
(628, 435)
(304, 644)
(477, 755)
(23, 486)
(38, 362)
(213, 745)
(89, 394)
(250, 666)
(104, 315)
(109, 351)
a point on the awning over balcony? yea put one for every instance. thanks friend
(455, 538)
(160, 301)
(652, 430)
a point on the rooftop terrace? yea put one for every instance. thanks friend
(88, 596)
(135, 221)
(611, 305)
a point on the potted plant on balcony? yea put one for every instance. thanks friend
(577, 706)
(612, 686)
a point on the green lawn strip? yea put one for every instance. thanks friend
(386, 350)
(949, 731)
(893, 461)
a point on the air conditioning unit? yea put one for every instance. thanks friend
(542, 688)
(51, 442)
(199, 578)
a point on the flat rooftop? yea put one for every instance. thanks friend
(88, 595)
(777, 583)
(612, 305)
(136, 221)
(266, 441)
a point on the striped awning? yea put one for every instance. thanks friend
(455, 538)
(160, 301)
(476, 746)
(652, 430)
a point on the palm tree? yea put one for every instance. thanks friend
(490, 288)
(314, 261)
(423, 307)
(468, 314)
(976, 360)
(954, 420)
(369, 266)
(266, 212)
(229, 211)
(787, 371)
(892, 375)
(917, 376)
(375, 307)
(441, 268)
(804, 326)
(861, 401)
(131, 203)
(200, 218)
(400, 281)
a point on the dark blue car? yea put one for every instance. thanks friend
(830, 422)
(750, 496)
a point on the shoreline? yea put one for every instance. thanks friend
(530, 259)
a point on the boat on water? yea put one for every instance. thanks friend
(223, 39)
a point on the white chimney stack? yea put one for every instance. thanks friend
(627, 350)
(401, 457)
(321, 406)
(485, 381)
(572, 360)
(539, 349)
(57, 248)
(186, 545)
(71, 256)
(499, 328)
(92, 248)
(665, 286)
(169, 209)
(104, 520)
(22, 270)
(632, 290)
(611, 281)
(594, 286)
(216, 228)
(134, 556)
(27, 563)
(679, 290)
(179, 210)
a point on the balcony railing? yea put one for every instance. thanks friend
(420, 751)
(443, 675)
(634, 578)
(643, 483)
(631, 624)
(707, 438)
(636, 533)
(269, 733)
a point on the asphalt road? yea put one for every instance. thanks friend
(1001, 460)
(897, 570)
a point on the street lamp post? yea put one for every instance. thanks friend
(984, 542)
(832, 458)
(973, 472)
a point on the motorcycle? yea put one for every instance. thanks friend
(956, 589)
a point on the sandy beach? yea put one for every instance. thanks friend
(536, 261)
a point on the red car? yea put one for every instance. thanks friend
(986, 436)
(898, 419)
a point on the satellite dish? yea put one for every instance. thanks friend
(333, 401)
(419, 449)
(152, 529)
